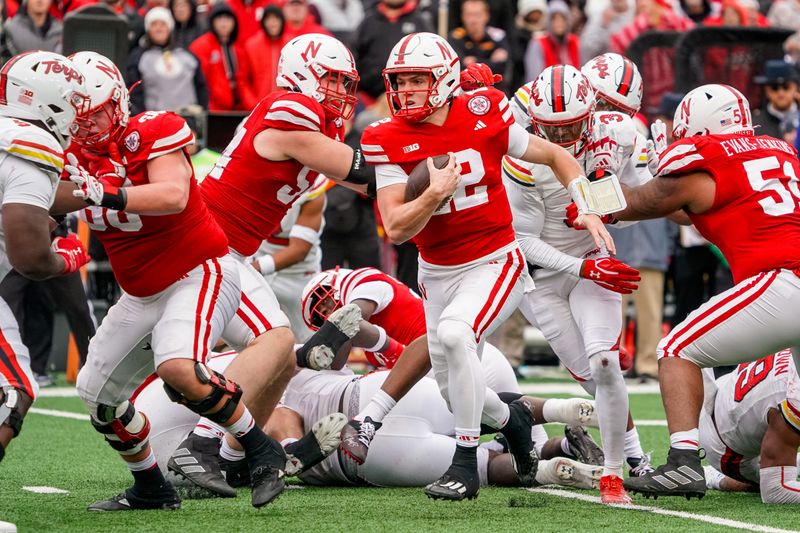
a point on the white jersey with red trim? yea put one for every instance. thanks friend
(149, 253)
(280, 238)
(248, 194)
(31, 162)
(477, 220)
(745, 395)
(755, 217)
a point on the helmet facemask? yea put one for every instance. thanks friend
(95, 128)
(322, 301)
(604, 103)
(424, 93)
(569, 134)
(337, 88)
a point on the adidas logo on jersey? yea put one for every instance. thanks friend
(479, 125)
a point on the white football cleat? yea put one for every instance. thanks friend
(568, 473)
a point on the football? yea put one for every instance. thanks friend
(420, 178)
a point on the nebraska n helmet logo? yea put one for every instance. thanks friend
(312, 49)
(109, 71)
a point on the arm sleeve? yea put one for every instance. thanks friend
(379, 292)
(25, 183)
(386, 175)
(517, 141)
(528, 219)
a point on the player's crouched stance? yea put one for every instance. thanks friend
(41, 94)
(180, 286)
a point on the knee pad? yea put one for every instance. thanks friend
(605, 367)
(220, 388)
(125, 428)
(14, 405)
(454, 336)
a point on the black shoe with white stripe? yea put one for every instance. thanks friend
(681, 476)
(194, 469)
(461, 481)
(164, 498)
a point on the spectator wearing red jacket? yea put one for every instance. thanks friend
(248, 14)
(556, 46)
(224, 63)
(264, 49)
(299, 20)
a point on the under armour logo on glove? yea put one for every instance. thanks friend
(611, 274)
(71, 250)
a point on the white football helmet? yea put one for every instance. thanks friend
(109, 109)
(561, 106)
(617, 82)
(324, 285)
(321, 67)
(431, 55)
(710, 110)
(44, 87)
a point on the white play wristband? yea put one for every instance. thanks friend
(381, 340)
(266, 264)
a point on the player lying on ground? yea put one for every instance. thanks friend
(388, 316)
(741, 192)
(472, 274)
(745, 435)
(576, 302)
(413, 448)
(41, 94)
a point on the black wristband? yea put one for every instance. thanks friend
(114, 198)
(360, 172)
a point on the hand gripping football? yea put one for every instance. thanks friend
(420, 178)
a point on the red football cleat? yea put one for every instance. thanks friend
(612, 492)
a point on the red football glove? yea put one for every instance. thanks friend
(478, 75)
(572, 214)
(109, 168)
(72, 251)
(611, 274)
(388, 357)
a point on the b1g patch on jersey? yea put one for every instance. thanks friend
(132, 141)
(479, 105)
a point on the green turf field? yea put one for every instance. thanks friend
(69, 455)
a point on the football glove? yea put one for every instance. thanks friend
(93, 191)
(71, 251)
(604, 150)
(478, 75)
(107, 168)
(656, 146)
(611, 274)
(572, 214)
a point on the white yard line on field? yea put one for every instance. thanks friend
(45, 490)
(715, 520)
(60, 414)
(58, 392)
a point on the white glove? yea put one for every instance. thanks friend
(604, 150)
(658, 130)
(90, 190)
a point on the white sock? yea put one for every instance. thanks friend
(633, 448)
(495, 411)
(228, 452)
(378, 407)
(568, 411)
(779, 484)
(685, 440)
(145, 464)
(566, 448)
(468, 437)
(611, 401)
(539, 436)
(208, 429)
(243, 425)
(713, 477)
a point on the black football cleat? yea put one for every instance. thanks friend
(583, 446)
(267, 476)
(196, 460)
(237, 473)
(682, 475)
(316, 445)
(130, 500)
(518, 436)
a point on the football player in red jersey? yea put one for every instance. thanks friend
(472, 274)
(742, 193)
(180, 286)
(293, 135)
(40, 95)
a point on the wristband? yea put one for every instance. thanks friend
(114, 197)
(381, 340)
(305, 233)
(360, 172)
(266, 264)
